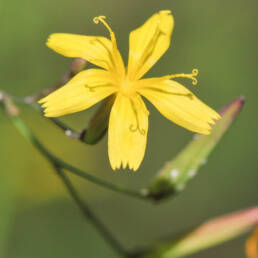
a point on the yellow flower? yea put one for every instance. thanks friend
(128, 122)
(251, 246)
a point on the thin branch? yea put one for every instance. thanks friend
(97, 126)
(77, 65)
(142, 194)
(69, 132)
(27, 133)
(88, 214)
(59, 165)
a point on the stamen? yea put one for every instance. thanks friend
(92, 88)
(134, 128)
(190, 76)
(189, 95)
(152, 44)
(150, 47)
(106, 48)
(101, 19)
(116, 58)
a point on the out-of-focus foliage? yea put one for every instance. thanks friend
(175, 175)
(211, 233)
(252, 245)
(38, 218)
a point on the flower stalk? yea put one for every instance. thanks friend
(59, 165)
(27, 133)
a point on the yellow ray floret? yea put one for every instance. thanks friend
(178, 104)
(127, 132)
(128, 122)
(148, 43)
(84, 90)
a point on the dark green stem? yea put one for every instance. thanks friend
(31, 137)
(96, 180)
(26, 132)
(86, 211)
(59, 165)
(70, 132)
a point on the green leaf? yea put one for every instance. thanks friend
(209, 234)
(174, 176)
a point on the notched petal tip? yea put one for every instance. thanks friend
(48, 40)
(165, 12)
(44, 104)
(206, 132)
(52, 40)
(217, 117)
(124, 165)
(75, 97)
(48, 115)
(126, 146)
(41, 101)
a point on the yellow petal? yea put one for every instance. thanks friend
(96, 50)
(148, 43)
(84, 90)
(119, 68)
(252, 245)
(127, 133)
(178, 104)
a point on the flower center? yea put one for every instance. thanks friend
(127, 88)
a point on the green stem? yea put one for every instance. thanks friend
(26, 132)
(103, 183)
(31, 137)
(86, 211)
(67, 130)
(59, 164)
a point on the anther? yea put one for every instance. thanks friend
(194, 73)
(190, 76)
(101, 19)
(142, 131)
(91, 89)
(97, 19)
(134, 128)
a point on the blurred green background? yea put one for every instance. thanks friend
(37, 217)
